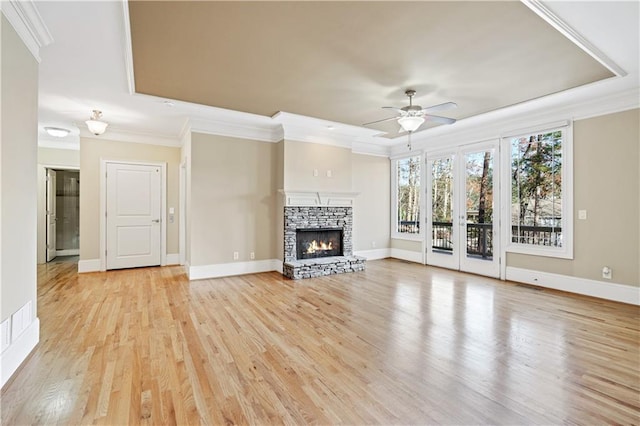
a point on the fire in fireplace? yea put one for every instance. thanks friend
(323, 242)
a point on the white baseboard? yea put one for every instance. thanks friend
(603, 290)
(19, 350)
(411, 256)
(89, 265)
(71, 252)
(374, 254)
(235, 268)
(173, 258)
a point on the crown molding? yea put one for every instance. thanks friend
(556, 22)
(121, 135)
(73, 145)
(541, 111)
(265, 132)
(313, 130)
(24, 17)
(128, 49)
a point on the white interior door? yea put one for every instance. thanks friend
(51, 214)
(133, 225)
(462, 202)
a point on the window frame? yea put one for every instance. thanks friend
(566, 251)
(395, 234)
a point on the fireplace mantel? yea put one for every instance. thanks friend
(318, 198)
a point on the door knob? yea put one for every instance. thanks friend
(156, 221)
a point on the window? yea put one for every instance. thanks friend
(540, 193)
(407, 177)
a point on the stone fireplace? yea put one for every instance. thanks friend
(318, 235)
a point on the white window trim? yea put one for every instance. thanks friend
(394, 198)
(566, 251)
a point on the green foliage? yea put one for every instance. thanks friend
(536, 179)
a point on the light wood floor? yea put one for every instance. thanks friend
(399, 343)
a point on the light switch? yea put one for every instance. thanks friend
(329, 173)
(582, 214)
(172, 210)
(315, 172)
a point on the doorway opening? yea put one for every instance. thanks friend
(62, 211)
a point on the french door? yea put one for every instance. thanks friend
(463, 209)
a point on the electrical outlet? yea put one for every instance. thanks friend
(373, 244)
(315, 172)
(236, 255)
(329, 173)
(252, 256)
(606, 272)
(582, 214)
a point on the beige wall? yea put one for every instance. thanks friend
(371, 178)
(92, 151)
(59, 157)
(234, 185)
(408, 245)
(607, 185)
(279, 212)
(185, 153)
(302, 158)
(18, 159)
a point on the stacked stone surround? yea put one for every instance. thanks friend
(303, 217)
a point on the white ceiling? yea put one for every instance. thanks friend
(85, 68)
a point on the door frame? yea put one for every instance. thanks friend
(42, 206)
(103, 207)
(51, 212)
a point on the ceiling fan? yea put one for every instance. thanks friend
(411, 117)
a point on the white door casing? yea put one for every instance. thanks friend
(134, 219)
(51, 215)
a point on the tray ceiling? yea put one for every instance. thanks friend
(342, 61)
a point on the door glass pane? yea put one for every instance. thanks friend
(408, 219)
(479, 204)
(442, 205)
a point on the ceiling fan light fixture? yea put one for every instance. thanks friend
(94, 124)
(410, 124)
(57, 132)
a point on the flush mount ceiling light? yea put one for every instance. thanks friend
(94, 124)
(57, 132)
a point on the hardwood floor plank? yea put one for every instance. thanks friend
(399, 343)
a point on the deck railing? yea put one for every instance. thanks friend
(480, 237)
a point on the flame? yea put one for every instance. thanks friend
(314, 246)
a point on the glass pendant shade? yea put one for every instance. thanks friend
(94, 124)
(410, 124)
(96, 127)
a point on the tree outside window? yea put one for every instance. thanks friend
(408, 192)
(536, 189)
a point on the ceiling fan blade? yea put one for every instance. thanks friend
(441, 107)
(395, 108)
(438, 119)
(381, 121)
